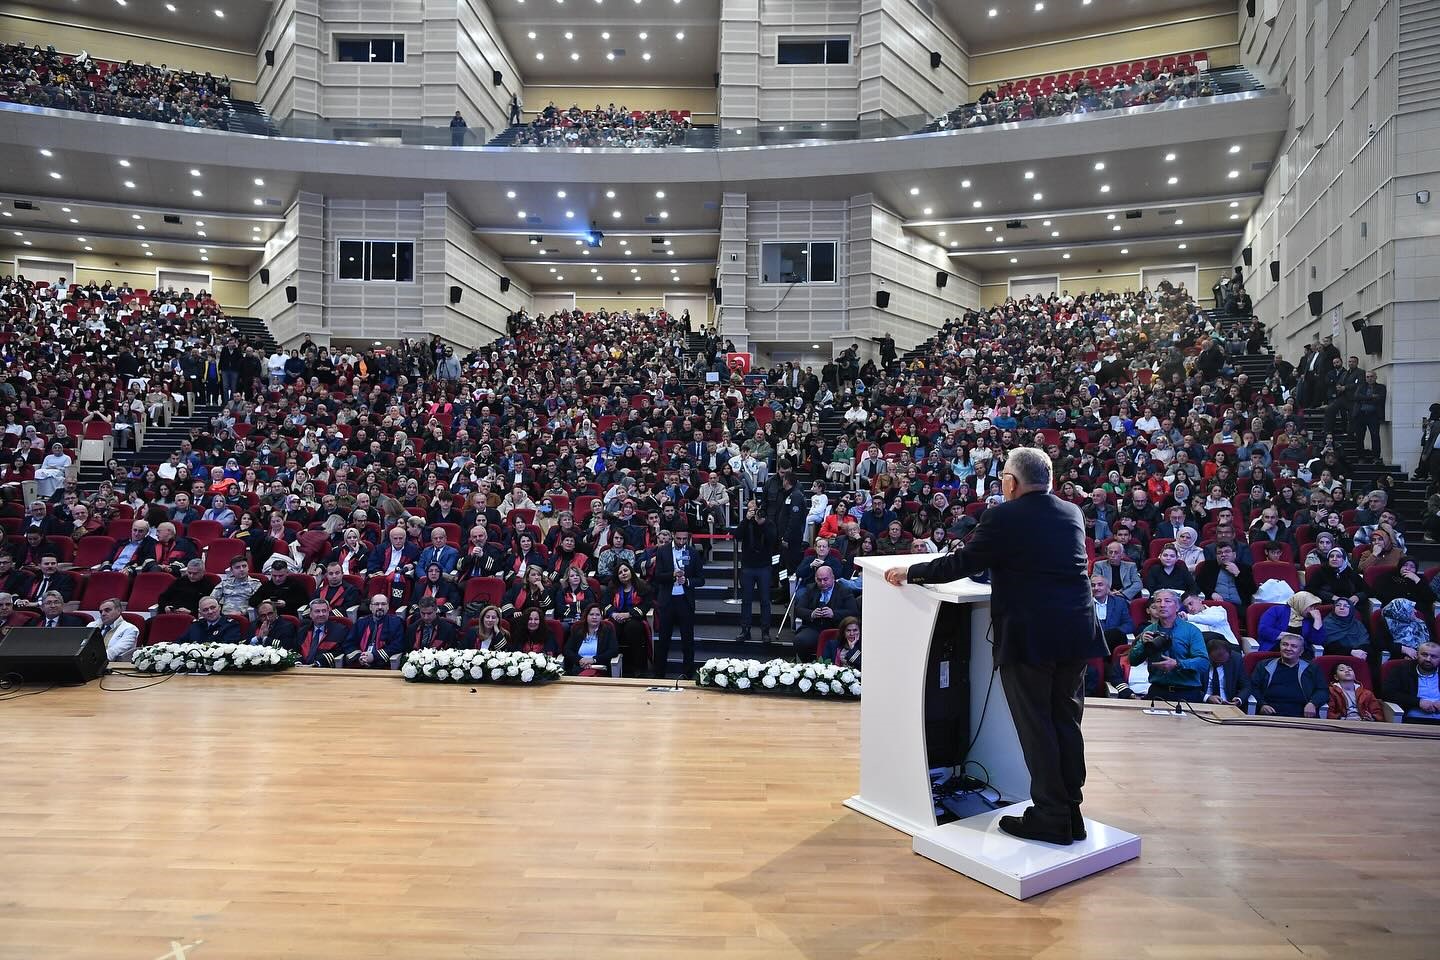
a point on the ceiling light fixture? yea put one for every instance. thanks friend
(1169, 158)
(54, 175)
(1054, 233)
(1234, 203)
(1099, 165)
(928, 210)
(605, 35)
(1064, 256)
(1179, 223)
(574, 55)
(679, 34)
(1029, 174)
(1182, 246)
(510, 194)
(976, 204)
(615, 214)
(664, 215)
(569, 35)
(954, 243)
(1173, 180)
(196, 193)
(964, 184)
(994, 12)
(1104, 188)
(194, 173)
(610, 55)
(74, 220)
(1233, 174)
(1235, 148)
(645, 56)
(1124, 250)
(1039, 196)
(220, 13)
(569, 214)
(531, 34)
(123, 163)
(539, 56)
(989, 229)
(560, 194)
(520, 214)
(88, 249)
(643, 35)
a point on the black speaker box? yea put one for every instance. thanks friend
(1317, 303)
(265, 275)
(292, 294)
(941, 278)
(717, 296)
(1245, 255)
(1374, 340)
(1274, 271)
(52, 654)
(497, 78)
(269, 58)
(1249, 8)
(882, 299)
(504, 285)
(934, 59)
(454, 294)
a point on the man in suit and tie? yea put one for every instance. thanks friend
(36, 518)
(429, 630)
(48, 578)
(319, 639)
(1369, 411)
(52, 612)
(397, 555)
(269, 630)
(130, 554)
(1226, 682)
(375, 639)
(439, 552)
(212, 626)
(120, 635)
(1122, 573)
(821, 606)
(1033, 544)
(679, 569)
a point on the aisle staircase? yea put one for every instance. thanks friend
(244, 116)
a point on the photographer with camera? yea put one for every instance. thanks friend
(1175, 651)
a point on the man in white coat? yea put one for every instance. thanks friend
(120, 635)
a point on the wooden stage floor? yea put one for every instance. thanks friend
(345, 816)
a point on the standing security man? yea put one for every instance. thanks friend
(1033, 544)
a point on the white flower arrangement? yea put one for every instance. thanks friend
(481, 666)
(211, 658)
(780, 676)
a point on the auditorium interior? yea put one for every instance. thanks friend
(358, 346)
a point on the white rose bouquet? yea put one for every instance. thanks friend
(481, 666)
(816, 680)
(211, 658)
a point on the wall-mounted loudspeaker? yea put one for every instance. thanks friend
(934, 59)
(269, 58)
(882, 299)
(497, 78)
(265, 275)
(1274, 271)
(1245, 255)
(292, 294)
(455, 294)
(1249, 8)
(1374, 339)
(941, 278)
(1317, 303)
(717, 81)
(504, 284)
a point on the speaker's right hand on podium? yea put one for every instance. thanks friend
(896, 576)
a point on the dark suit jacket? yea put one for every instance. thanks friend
(609, 647)
(62, 582)
(1402, 686)
(1313, 686)
(225, 630)
(144, 550)
(664, 579)
(1040, 601)
(65, 620)
(447, 635)
(842, 604)
(409, 554)
(1208, 573)
(1234, 684)
(320, 648)
(282, 634)
(389, 642)
(1117, 615)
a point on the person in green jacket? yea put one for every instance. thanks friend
(1175, 651)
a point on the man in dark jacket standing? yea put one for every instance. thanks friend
(1033, 544)
(758, 543)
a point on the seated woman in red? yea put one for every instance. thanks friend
(531, 634)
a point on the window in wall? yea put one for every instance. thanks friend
(812, 50)
(392, 260)
(797, 261)
(370, 50)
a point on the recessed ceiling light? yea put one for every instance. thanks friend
(1169, 158)
(560, 194)
(664, 215)
(531, 34)
(170, 7)
(259, 201)
(994, 12)
(1124, 250)
(74, 220)
(539, 56)
(259, 182)
(520, 214)
(1109, 216)
(569, 35)
(220, 13)
(615, 214)
(1064, 256)
(1039, 7)
(1039, 196)
(569, 214)
(579, 243)
(205, 259)
(199, 233)
(628, 252)
(88, 249)
(1116, 228)
(975, 204)
(999, 239)
(1104, 188)
(914, 191)
(130, 184)
(139, 226)
(1234, 203)
(659, 194)
(134, 216)
(1233, 174)
(954, 243)
(194, 173)
(510, 194)
(643, 35)
(645, 56)
(669, 253)
(149, 254)
(1014, 260)
(46, 152)
(6, 213)
(67, 209)
(123, 163)
(1234, 216)
(624, 243)
(609, 194)
(610, 55)
(989, 229)
(19, 233)
(636, 279)
(559, 277)
(929, 210)
(584, 253)
(1044, 223)
(942, 233)
(54, 175)
(145, 246)
(964, 184)
(1179, 223)
(1173, 180)
(1029, 174)
(679, 34)
(1235, 148)
(594, 270)
(574, 55)
(1054, 233)
(1182, 246)
(196, 193)
(605, 35)
(1100, 165)
(26, 242)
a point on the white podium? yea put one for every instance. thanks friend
(898, 627)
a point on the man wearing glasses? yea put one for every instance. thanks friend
(1033, 544)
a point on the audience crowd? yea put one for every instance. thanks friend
(560, 488)
(610, 126)
(46, 78)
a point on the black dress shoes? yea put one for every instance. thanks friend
(1028, 828)
(1077, 825)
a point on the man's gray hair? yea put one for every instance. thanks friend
(1030, 466)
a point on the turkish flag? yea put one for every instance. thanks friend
(738, 363)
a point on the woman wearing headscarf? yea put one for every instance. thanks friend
(1190, 554)
(1300, 614)
(1405, 581)
(1338, 579)
(1345, 635)
(1407, 630)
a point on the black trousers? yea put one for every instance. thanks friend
(1046, 700)
(674, 612)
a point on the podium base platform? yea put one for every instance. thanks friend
(978, 848)
(913, 828)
